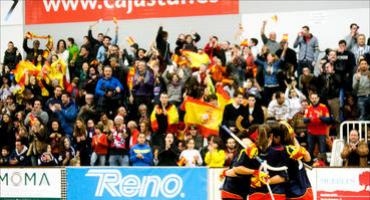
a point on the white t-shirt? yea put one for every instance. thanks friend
(189, 156)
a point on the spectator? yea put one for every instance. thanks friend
(360, 49)
(7, 136)
(34, 52)
(5, 156)
(56, 138)
(316, 117)
(143, 113)
(346, 65)
(213, 49)
(279, 108)
(67, 153)
(231, 112)
(47, 158)
(230, 151)
(271, 41)
(215, 157)
(109, 91)
(164, 117)
(306, 80)
(298, 124)
(254, 114)
(143, 83)
(66, 113)
(19, 155)
(270, 69)
(101, 56)
(163, 48)
(168, 154)
(141, 153)
(350, 108)
(83, 57)
(361, 87)
(308, 49)
(190, 157)
(38, 140)
(81, 139)
(355, 152)
(11, 58)
(196, 136)
(134, 132)
(290, 59)
(329, 84)
(36, 112)
(100, 146)
(252, 88)
(118, 139)
(294, 98)
(351, 39)
(73, 50)
(88, 110)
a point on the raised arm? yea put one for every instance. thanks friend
(263, 35)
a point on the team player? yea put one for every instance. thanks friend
(298, 186)
(242, 169)
(276, 156)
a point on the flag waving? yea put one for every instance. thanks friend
(205, 115)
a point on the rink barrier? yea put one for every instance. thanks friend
(159, 183)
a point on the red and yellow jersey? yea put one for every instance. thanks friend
(316, 126)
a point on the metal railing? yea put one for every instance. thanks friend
(363, 127)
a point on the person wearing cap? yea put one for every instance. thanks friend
(351, 39)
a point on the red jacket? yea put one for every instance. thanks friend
(100, 144)
(315, 125)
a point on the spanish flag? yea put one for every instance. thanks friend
(196, 59)
(172, 117)
(223, 97)
(130, 77)
(274, 18)
(244, 43)
(206, 116)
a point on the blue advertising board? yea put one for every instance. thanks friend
(137, 183)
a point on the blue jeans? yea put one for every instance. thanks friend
(118, 160)
(311, 140)
(363, 103)
(96, 157)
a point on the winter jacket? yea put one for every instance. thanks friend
(11, 59)
(143, 88)
(104, 85)
(308, 48)
(329, 85)
(67, 117)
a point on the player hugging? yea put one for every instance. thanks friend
(270, 165)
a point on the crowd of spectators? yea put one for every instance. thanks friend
(111, 106)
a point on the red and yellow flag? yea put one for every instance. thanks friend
(223, 97)
(130, 77)
(172, 117)
(196, 59)
(206, 116)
